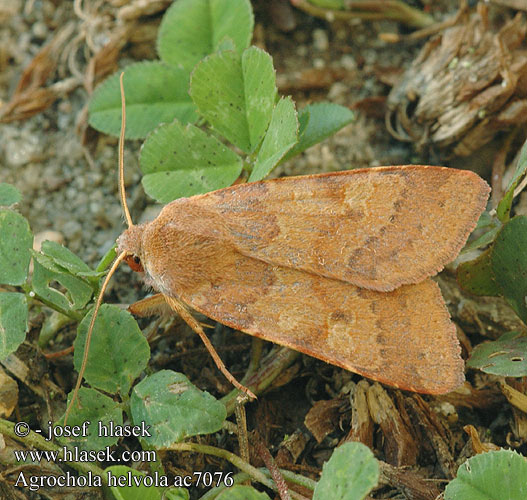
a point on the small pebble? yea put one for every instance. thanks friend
(47, 235)
(320, 40)
(41, 237)
(319, 63)
(337, 91)
(348, 62)
(301, 51)
(40, 30)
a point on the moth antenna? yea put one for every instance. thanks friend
(115, 264)
(121, 154)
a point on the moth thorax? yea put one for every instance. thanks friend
(131, 240)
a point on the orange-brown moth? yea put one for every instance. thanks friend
(335, 265)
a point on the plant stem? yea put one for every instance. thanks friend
(272, 366)
(260, 475)
(373, 10)
(32, 295)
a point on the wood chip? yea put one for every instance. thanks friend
(361, 421)
(464, 87)
(515, 397)
(410, 483)
(8, 394)
(322, 419)
(291, 448)
(400, 447)
(477, 445)
(427, 422)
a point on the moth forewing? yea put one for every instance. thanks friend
(377, 228)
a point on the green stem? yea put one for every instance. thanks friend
(252, 472)
(291, 477)
(32, 295)
(370, 11)
(247, 167)
(235, 460)
(257, 346)
(243, 477)
(52, 324)
(272, 366)
(107, 259)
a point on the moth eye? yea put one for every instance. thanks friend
(135, 263)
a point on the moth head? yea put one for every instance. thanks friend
(130, 242)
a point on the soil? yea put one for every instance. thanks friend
(67, 174)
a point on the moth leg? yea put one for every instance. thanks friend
(156, 304)
(181, 309)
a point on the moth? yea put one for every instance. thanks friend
(335, 265)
